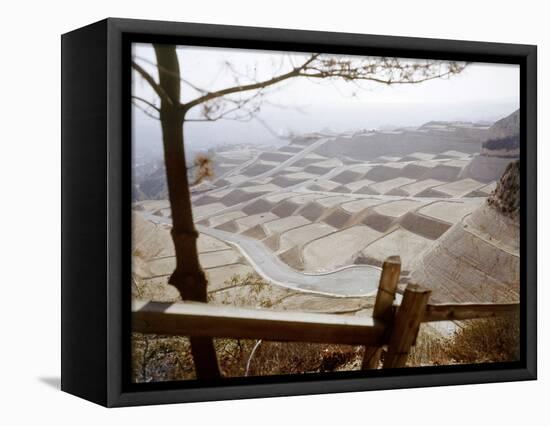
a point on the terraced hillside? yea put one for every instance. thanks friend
(326, 203)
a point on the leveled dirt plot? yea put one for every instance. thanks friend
(312, 211)
(333, 201)
(237, 156)
(321, 255)
(280, 196)
(291, 148)
(317, 170)
(257, 232)
(464, 267)
(274, 156)
(416, 171)
(254, 182)
(331, 163)
(285, 182)
(161, 266)
(258, 206)
(379, 222)
(225, 217)
(459, 188)
(484, 191)
(257, 168)
(354, 186)
(323, 185)
(395, 165)
(382, 173)
(418, 156)
(366, 190)
(219, 258)
(338, 218)
(303, 234)
(281, 225)
(236, 179)
(304, 162)
(424, 226)
(208, 209)
(260, 189)
(149, 239)
(300, 176)
(450, 211)
(217, 277)
(342, 190)
(238, 196)
(444, 172)
(205, 199)
(306, 198)
(325, 304)
(360, 205)
(219, 193)
(388, 185)
(247, 222)
(151, 205)
(288, 206)
(206, 243)
(347, 176)
(399, 242)
(397, 208)
(218, 183)
(419, 186)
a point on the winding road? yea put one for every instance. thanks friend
(350, 281)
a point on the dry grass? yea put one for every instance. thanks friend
(158, 358)
(477, 342)
(487, 340)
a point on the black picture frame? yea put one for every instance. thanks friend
(96, 210)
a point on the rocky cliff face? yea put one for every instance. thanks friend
(506, 196)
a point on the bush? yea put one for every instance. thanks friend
(487, 340)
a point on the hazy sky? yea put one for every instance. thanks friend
(480, 92)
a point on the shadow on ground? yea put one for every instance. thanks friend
(53, 382)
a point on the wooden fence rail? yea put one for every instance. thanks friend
(204, 320)
(393, 326)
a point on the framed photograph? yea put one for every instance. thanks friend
(253, 212)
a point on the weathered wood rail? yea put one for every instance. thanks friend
(391, 325)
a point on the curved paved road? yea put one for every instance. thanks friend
(358, 280)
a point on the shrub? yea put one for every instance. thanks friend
(487, 340)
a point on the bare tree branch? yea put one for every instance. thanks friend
(145, 110)
(166, 71)
(382, 70)
(243, 88)
(154, 85)
(146, 102)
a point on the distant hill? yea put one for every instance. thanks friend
(432, 137)
(503, 137)
(500, 147)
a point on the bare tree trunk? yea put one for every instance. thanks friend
(188, 277)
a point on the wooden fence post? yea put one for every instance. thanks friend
(383, 306)
(406, 325)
